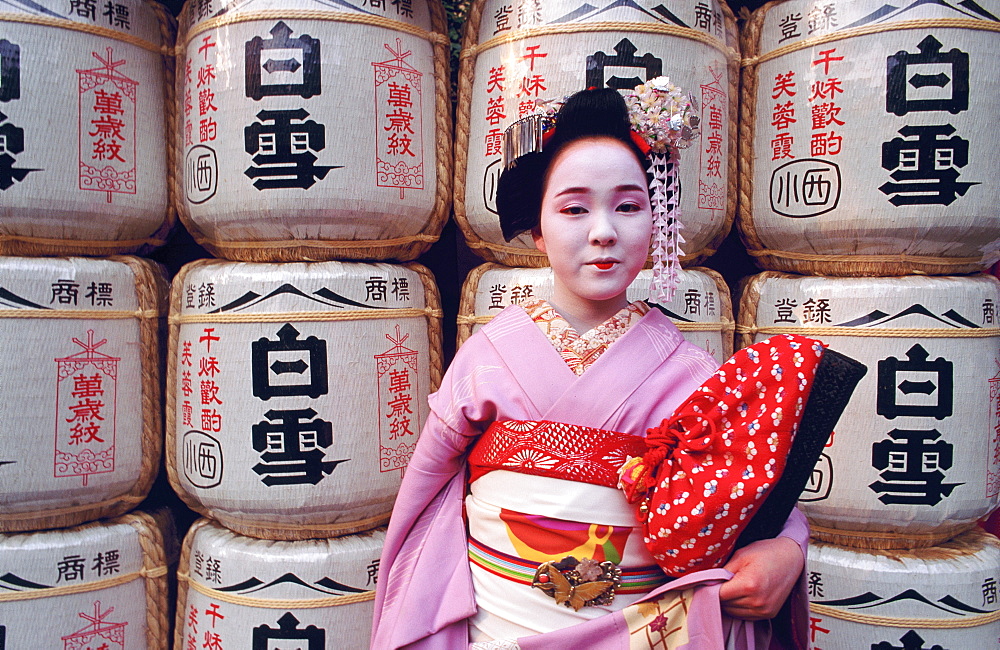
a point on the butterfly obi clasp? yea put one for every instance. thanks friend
(578, 583)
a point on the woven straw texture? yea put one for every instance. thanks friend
(23, 244)
(151, 291)
(246, 524)
(842, 261)
(899, 525)
(402, 248)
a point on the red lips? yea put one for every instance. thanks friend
(604, 266)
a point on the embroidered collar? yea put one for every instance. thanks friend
(580, 351)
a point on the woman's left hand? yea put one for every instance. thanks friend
(764, 573)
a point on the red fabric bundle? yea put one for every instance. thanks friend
(714, 461)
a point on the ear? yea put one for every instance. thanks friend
(536, 236)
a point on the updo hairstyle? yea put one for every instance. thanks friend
(596, 112)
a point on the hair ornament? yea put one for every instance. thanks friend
(666, 120)
(663, 116)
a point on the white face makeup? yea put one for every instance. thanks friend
(595, 225)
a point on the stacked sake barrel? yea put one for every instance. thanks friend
(549, 50)
(311, 137)
(701, 309)
(871, 197)
(82, 438)
(308, 133)
(84, 120)
(81, 341)
(84, 170)
(83, 434)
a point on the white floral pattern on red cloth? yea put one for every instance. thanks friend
(715, 460)
(580, 351)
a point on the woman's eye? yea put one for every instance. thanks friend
(628, 207)
(574, 209)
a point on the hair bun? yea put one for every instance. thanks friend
(591, 113)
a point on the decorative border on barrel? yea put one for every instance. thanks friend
(278, 530)
(403, 249)
(809, 263)
(37, 246)
(962, 546)
(471, 48)
(151, 292)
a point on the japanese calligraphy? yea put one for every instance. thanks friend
(112, 13)
(284, 152)
(825, 140)
(399, 157)
(822, 17)
(925, 162)
(711, 183)
(199, 296)
(789, 26)
(624, 57)
(107, 145)
(913, 467)
(201, 174)
(202, 456)
(86, 404)
(914, 461)
(908, 397)
(501, 295)
(397, 373)
(805, 188)
(299, 73)
(305, 375)
(291, 441)
(282, 143)
(11, 136)
(782, 115)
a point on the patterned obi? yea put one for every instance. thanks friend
(540, 492)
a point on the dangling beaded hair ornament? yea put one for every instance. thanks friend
(664, 120)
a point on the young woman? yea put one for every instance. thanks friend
(517, 464)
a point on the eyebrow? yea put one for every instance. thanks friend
(619, 188)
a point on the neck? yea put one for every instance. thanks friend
(584, 315)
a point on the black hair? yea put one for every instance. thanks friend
(595, 112)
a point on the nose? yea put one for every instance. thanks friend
(602, 229)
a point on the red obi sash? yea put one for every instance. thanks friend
(554, 449)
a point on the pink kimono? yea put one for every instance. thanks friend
(510, 371)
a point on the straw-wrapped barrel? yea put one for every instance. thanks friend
(80, 377)
(515, 54)
(940, 597)
(296, 391)
(84, 94)
(701, 309)
(868, 140)
(256, 593)
(312, 130)
(915, 458)
(99, 585)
